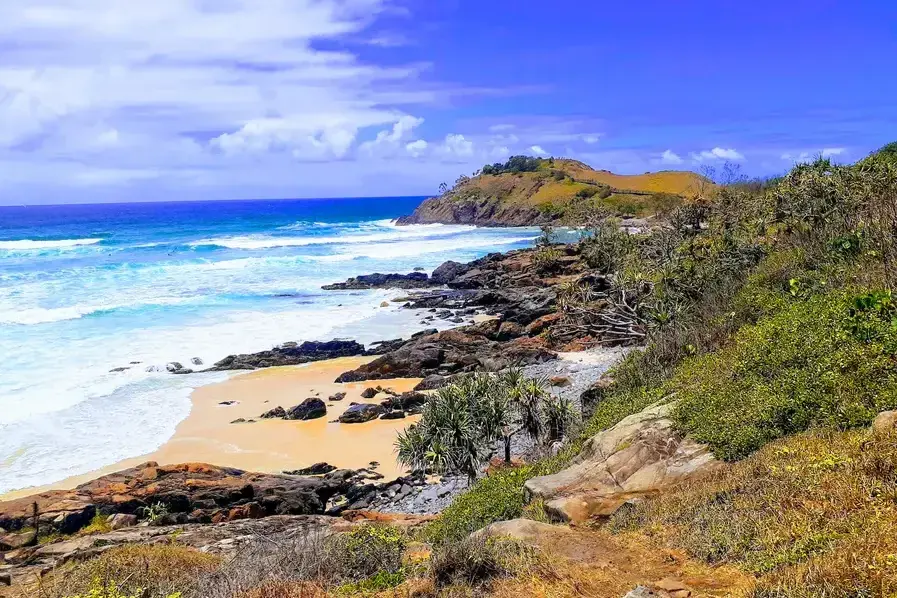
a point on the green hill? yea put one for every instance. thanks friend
(526, 191)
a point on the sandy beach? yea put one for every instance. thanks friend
(272, 446)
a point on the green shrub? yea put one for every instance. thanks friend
(367, 553)
(805, 366)
(477, 560)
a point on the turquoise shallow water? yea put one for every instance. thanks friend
(86, 289)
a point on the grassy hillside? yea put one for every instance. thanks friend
(527, 190)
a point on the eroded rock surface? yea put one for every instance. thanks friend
(640, 456)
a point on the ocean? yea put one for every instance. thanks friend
(88, 289)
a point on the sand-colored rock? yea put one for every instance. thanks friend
(640, 456)
(884, 422)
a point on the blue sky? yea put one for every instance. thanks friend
(108, 100)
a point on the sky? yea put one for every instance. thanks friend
(117, 100)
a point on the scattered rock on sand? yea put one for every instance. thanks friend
(560, 381)
(337, 397)
(196, 361)
(397, 414)
(276, 413)
(369, 393)
(311, 408)
(357, 414)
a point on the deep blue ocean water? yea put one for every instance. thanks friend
(85, 289)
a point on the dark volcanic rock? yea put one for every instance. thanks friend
(431, 382)
(448, 272)
(467, 349)
(316, 469)
(413, 280)
(407, 401)
(369, 393)
(357, 414)
(337, 397)
(290, 354)
(311, 408)
(276, 413)
(397, 414)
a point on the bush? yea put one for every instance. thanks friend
(148, 571)
(514, 165)
(547, 259)
(805, 366)
(477, 560)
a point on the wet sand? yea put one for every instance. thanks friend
(272, 446)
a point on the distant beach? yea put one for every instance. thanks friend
(96, 301)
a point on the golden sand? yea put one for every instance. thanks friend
(272, 446)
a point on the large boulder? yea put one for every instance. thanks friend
(382, 281)
(448, 272)
(641, 455)
(291, 354)
(311, 408)
(460, 350)
(885, 422)
(357, 414)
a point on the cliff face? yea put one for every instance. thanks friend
(531, 191)
(489, 211)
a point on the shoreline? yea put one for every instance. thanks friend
(207, 435)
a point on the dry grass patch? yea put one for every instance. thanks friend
(811, 515)
(152, 571)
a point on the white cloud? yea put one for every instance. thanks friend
(416, 148)
(718, 153)
(388, 142)
(457, 145)
(829, 152)
(500, 151)
(670, 157)
(536, 149)
(591, 139)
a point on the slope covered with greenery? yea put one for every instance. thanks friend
(769, 314)
(526, 191)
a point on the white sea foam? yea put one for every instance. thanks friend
(154, 307)
(41, 315)
(31, 245)
(256, 242)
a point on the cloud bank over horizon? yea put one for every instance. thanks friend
(104, 100)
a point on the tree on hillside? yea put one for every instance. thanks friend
(462, 422)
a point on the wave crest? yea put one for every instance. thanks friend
(30, 244)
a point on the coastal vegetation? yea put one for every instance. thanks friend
(464, 420)
(525, 191)
(761, 314)
(768, 312)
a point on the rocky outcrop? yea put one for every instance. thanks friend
(290, 354)
(460, 350)
(316, 469)
(311, 408)
(357, 414)
(490, 211)
(192, 492)
(640, 456)
(414, 280)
